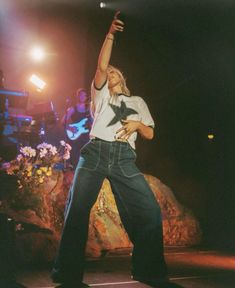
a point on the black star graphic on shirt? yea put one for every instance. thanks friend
(121, 113)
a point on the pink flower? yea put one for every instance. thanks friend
(66, 155)
(19, 157)
(6, 165)
(68, 147)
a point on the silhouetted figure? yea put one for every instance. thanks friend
(77, 123)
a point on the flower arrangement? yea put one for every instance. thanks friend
(33, 167)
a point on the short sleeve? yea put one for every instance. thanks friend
(146, 117)
(98, 94)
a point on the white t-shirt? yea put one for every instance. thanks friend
(108, 111)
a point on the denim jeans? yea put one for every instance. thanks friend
(137, 206)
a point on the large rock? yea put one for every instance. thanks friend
(180, 227)
(106, 232)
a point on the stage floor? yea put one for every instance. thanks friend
(190, 268)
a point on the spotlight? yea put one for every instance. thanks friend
(37, 54)
(39, 83)
(210, 136)
(102, 4)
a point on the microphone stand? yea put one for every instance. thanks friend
(66, 116)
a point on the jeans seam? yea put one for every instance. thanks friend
(123, 203)
(132, 151)
(123, 172)
(98, 161)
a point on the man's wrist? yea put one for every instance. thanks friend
(110, 36)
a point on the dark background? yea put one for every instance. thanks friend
(177, 55)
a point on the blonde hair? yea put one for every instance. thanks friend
(124, 88)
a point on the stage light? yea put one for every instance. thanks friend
(102, 4)
(37, 54)
(39, 83)
(210, 136)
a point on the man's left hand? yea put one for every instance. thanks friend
(129, 127)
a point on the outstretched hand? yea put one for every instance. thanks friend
(117, 25)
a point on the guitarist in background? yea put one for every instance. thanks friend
(77, 123)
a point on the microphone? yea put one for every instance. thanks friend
(120, 16)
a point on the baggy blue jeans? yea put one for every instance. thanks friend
(137, 206)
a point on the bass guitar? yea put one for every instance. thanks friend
(75, 130)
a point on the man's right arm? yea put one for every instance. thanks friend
(105, 53)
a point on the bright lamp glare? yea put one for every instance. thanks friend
(102, 4)
(37, 54)
(210, 136)
(39, 83)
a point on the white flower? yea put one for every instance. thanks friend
(28, 151)
(42, 145)
(53, 150)
(43, 153)
(46, 148)
(49, 147)
(62, 143)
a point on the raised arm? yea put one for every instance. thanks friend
(106, 50)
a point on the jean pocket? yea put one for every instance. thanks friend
(90, 156)
(129, 170)
(127, 163)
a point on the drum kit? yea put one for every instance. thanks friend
(27, 129)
